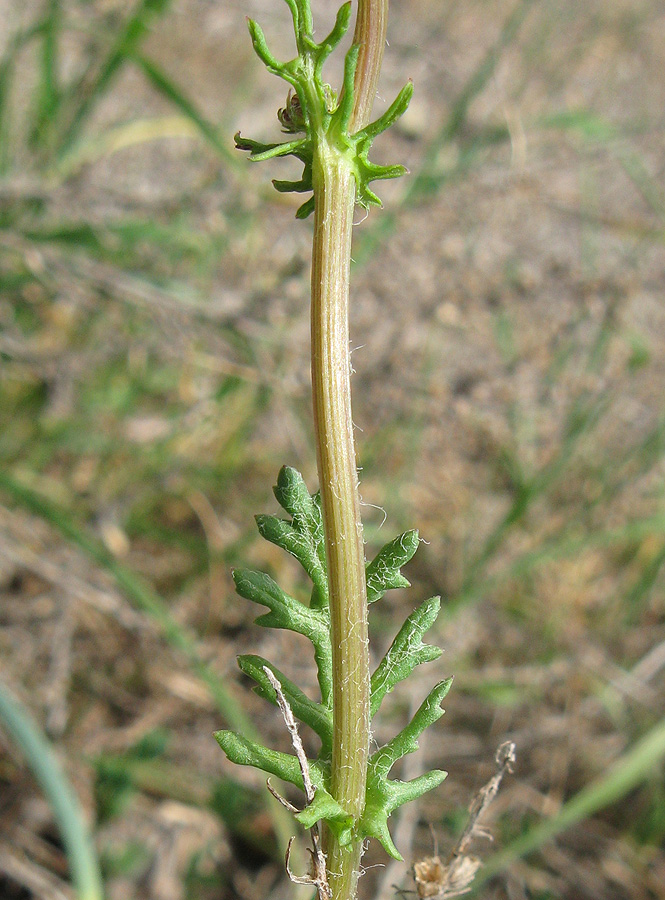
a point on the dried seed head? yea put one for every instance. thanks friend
(434, 881)
(428, 875)
(291, 116)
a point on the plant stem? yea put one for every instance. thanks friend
(334, 194)
(370, 34)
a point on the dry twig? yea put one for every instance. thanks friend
(318, 875)
(437, 881)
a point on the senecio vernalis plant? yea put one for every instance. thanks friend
(348, 790)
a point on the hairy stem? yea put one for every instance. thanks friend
(334, 193)
(370, 35)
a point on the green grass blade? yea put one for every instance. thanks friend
(476, 83)
(6, 71)
(631, 770)
(127, 42)
(16, 44)
(83, 862)
(584, 415)
(564, 545)
(638, 593)
(582, 418)
(48, 90)
(177, 97)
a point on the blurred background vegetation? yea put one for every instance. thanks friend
(510, 330)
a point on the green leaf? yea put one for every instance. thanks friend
(383, 573)
(306, 209)
(325, 807)
(176, 96)
(271, 151)
(299, 544)
(345, 108)
(384, 797)
(406, 652)
(127, 42)
(285, 612)
(295, 13)
(406, 741)
(339, 29)
(302, 17)
(323, 122)
(305, 509)
(405, 791)
(295, 187)
(262, 50)
(243, 143)
(367, 172)
(396, 109)
(292, 495)
(245, 752)
(302, 537)
(308, 711)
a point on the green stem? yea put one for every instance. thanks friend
(39, 754)
(334, 195)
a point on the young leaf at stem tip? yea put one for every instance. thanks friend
(323, 119)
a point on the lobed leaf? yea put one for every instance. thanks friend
(294, 6)
(299, 544)
(302, 17)
(308, 711)
(384, 797)
(244, 752)
(287, 613)
(305, 74)
(396, 109)
(339, 29)
(406, 652)
(383, 572)
(406, 741)
(306, 209)
(292, 495)
(302, 537)
(262, 50)
(304, 508)
(345, 108)
(258, 150)
(292, 187)
(325, 807)
(405, 791)
(271, 151)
